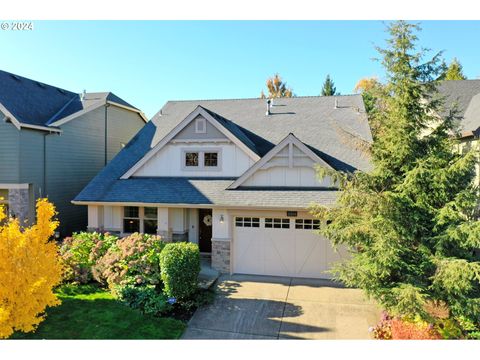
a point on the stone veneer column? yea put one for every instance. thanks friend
(221, 255)
(19, 204)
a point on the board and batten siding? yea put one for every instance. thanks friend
(78, 154)
(9, 152)
(277, 172)
(169, 161)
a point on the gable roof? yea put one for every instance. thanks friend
(463, 93)
(227, 128)
(315, 121)
(290, 139)
(31, 103)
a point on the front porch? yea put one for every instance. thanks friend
(207, 227)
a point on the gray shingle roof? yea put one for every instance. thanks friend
(35, 103)
(464, 94)
(314, 120)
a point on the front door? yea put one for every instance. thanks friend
(205, 230)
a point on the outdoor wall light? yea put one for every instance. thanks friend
(221, 219)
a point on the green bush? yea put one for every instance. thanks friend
(133, 260)
(180, 265)
(82, 250)
(144, 298)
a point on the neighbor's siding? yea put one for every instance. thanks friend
(77, 155)
(9, 152)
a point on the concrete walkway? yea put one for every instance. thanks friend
(266, 307)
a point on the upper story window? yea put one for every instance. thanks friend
(208, 159)
(191, 159)
(200, 126)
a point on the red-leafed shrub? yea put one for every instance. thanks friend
(404, 330)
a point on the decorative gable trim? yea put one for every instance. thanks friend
(193, 115)
(289, 141)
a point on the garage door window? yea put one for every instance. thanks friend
(247, 222)
(277, 223)
(307, 224)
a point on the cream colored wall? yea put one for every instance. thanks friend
(465, 146)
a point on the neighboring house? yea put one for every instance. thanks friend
(237, 177)
(54, 141)
(465, 95)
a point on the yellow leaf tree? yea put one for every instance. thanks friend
(29, 270)
(277, 88)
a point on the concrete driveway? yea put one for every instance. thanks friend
(267, 307)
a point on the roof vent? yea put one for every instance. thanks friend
(269, 104)
(336, 103)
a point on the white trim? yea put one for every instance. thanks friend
(192, 206)
(14, 186)
(166, 139)
(199, 130)
(290, 140)
(43, 128)
(200, 141)
(222, 239)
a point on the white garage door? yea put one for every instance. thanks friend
(282, 247)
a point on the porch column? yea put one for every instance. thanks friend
(164, 228)
(221, 240)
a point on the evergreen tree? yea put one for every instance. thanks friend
(328, 88)
(409, 222)
(454, 71)
(276, 88)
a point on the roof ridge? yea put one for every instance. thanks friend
(257, 98)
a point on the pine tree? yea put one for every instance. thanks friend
(328, 88)
(277, 88)
(409, 222)
(454, 71)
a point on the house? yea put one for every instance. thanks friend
(237, 177)
(465, 95)
(54, 141)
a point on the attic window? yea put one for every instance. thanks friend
(200, 126)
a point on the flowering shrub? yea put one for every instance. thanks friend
(81, 251)
(133, 260)
(383, 330)
(400, 329)
(145, 298)
(30, 268)
(180, 266)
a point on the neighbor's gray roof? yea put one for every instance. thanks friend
(312, 119)
(35, 103)
(463, 94)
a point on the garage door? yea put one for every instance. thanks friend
(281, 247)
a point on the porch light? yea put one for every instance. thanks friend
(221, 219)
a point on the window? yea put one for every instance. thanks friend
(150, 220)
(131, 219)
(307, 224)
(200, 126)
(277, 223)
(191, 159)
(247, 222)
(211, 159)
(202, 159)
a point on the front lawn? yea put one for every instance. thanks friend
(88, 312)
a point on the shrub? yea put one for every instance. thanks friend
(145, 298)
(81, 251)
(383, 330)
(406, 330)
(133, 260)
(180, 265)
(30, 268)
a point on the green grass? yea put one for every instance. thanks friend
(88, 312)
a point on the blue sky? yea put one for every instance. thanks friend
(150, 62)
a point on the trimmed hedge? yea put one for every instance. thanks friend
(180, 266)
